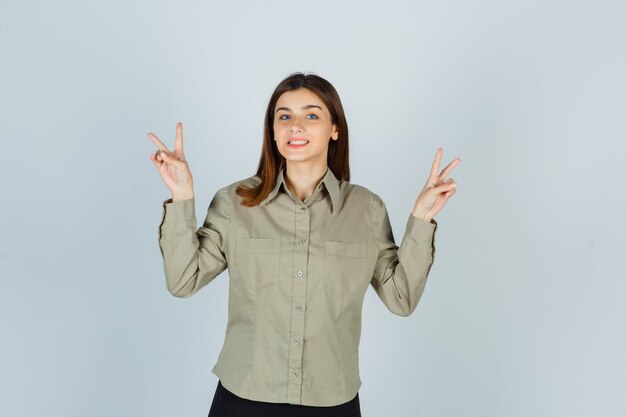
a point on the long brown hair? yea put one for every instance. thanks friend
(271, 161)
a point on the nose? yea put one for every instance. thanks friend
(295, 127)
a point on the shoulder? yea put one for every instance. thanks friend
(229, 191)
(359, 191)
(246, 182)
(362, 195)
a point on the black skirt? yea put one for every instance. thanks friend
(227, 404)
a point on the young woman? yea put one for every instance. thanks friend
(302, 245)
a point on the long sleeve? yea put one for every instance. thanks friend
(401, 272)
(193, 258)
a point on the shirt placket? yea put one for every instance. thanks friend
(298, 301)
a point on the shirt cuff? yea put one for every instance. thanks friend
(420, 230)
(180, 210)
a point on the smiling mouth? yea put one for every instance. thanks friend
(297, 143)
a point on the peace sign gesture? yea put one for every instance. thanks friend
(173, 167)
(436, 191)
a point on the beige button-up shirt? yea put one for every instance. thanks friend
(298, 274)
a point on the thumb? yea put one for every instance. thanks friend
(444, 187)
(450, 183)
(173, 161)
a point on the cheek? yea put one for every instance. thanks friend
(279, 129)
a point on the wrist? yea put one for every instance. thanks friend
(420, 216)
(182, 197)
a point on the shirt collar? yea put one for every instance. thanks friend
(330, 182)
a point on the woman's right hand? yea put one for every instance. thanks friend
(173, 167)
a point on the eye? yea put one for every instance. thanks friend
(310, 114)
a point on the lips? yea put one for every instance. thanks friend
(299, 143)
(299, 140)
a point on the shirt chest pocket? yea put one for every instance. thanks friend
(344, 266)
(257, 265)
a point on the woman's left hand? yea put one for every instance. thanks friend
(436, 191)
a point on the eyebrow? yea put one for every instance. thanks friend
(308, 106)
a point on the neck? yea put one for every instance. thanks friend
(302, 179)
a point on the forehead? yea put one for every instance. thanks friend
(295, 99)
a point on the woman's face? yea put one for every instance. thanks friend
(300, 114)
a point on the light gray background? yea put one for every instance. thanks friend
(523, 314)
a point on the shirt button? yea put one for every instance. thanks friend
(299, 307)
(297, 340)
(302, 209)
(301, 241)
(300, 273)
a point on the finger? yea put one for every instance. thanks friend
(449, 168)
(439, 179)
(450, 184)
(171, 160)
(157, 141)
(157, 163)
(179, 137)
(434, 170)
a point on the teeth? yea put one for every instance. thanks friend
(298, 142)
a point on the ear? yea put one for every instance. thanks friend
(335, 134)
